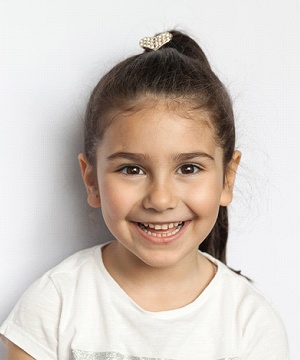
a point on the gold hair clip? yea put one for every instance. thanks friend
(156, 42)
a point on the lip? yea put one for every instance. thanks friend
(162, 240)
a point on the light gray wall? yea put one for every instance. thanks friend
(52, 53)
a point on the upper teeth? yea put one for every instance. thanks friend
(161, 226)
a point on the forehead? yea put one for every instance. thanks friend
(165, 126)
(154, 108)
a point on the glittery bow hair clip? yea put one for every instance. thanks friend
(156, 42)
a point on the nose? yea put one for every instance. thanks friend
(160, 196)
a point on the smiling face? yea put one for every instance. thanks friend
(160, 182)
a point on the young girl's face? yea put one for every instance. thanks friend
(160, 182)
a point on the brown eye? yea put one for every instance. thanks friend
(132, 170)
(188, 169)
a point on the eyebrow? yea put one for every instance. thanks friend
(142, 157)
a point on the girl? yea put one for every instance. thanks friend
(160, 161)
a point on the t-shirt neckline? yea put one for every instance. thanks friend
(165, 314)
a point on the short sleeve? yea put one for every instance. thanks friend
(33, 323)
(265, 336)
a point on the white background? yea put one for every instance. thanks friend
(52, 54)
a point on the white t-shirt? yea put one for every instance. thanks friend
(77, 311)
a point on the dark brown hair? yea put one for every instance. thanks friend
(178, 71)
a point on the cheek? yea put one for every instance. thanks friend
(116, 199)
(206, 199)
(110, 198)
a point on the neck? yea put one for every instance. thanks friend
(166, 287)
(118, 260)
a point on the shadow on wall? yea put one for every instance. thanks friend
(52, 219)
(73, 223)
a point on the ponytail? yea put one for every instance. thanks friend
(215, 243)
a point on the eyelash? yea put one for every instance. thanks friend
(126, 167)
(190, 165)
(140, 171)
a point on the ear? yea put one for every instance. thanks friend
(229, 179)
(90, 181)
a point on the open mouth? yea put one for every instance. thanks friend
(161, 230)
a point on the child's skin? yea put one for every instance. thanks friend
(155, 166)
(15, 353)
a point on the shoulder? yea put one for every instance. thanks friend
(76, 261)
(260, 326)
(250, 305)
(35, 320)
(49, 289)
(79, 269)
(237, 287)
